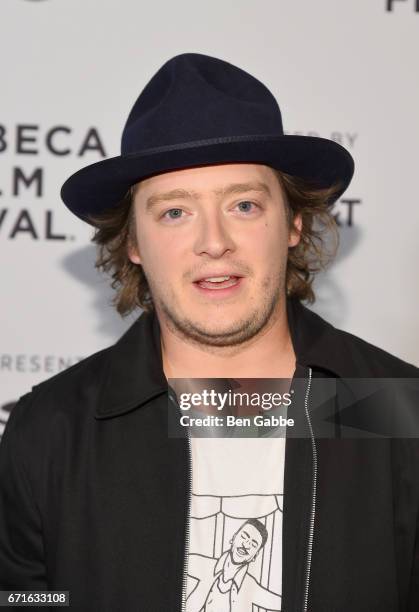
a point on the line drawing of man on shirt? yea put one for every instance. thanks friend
(225, 584)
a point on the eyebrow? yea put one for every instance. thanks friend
(184, 194)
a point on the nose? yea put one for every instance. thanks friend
(213, 236)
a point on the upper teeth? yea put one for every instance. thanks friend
(217, 279)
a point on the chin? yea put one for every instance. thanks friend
(216, 326)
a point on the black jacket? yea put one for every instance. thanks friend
(94, 494)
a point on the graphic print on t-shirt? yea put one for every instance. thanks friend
(235, 547)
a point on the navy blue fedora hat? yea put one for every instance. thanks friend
(198, 110)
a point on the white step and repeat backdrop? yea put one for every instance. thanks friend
(70, 71)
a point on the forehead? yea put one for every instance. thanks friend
(251, 530)
(208, 180)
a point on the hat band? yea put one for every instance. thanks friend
(202, 143)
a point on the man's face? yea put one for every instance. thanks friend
(246, 544)
(213, 221)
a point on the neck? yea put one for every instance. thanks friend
(270, 354)
(231, 568)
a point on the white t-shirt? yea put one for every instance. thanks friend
(235, 546)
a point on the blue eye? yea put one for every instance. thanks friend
(246, 202)
(171, 210)
(178, 211)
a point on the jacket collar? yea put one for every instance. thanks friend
(134, 375)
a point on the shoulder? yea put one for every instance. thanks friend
(70, 392)
(84, 371)
(320, 343)
(372, 359)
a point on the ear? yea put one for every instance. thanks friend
(295, 231)
(133, 253)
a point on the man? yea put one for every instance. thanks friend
(229, 580)
(206, 221)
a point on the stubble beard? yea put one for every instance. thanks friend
(238, 332)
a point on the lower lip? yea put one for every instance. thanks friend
(220, 293)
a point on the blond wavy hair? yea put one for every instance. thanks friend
(319, 239)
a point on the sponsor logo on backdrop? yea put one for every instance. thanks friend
(25, 187)
(345, 215)
(391, 5)
(344, 208)
(33, 363)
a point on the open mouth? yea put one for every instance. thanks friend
(220, 286)
(218, 282)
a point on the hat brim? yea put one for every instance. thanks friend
(102, 185)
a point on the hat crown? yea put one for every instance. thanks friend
(196, 111)
(195, 97)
